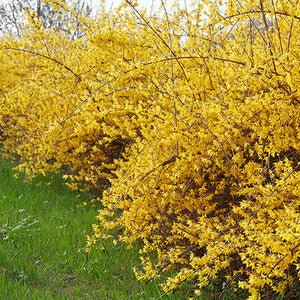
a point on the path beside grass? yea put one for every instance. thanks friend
(41, 230)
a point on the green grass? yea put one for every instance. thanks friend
(41, 230)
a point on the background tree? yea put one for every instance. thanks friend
(13, 15)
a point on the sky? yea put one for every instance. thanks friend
(155, 4)
(142, 3)
(152, 6)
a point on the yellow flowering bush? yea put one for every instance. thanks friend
(66, 101)
(190, 120)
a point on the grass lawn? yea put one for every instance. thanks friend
(42, 228)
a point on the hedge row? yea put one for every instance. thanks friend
(191, 126)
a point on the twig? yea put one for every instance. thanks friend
(50, 58)
(158, 35)
(282, 258)
(274, 191)
(166, 162)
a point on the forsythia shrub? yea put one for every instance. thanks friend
(193, 124)
(66, 101)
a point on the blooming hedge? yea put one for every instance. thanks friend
(190, 123)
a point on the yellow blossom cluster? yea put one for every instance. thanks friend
(191, 122)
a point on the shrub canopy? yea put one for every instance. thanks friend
(190, 122)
